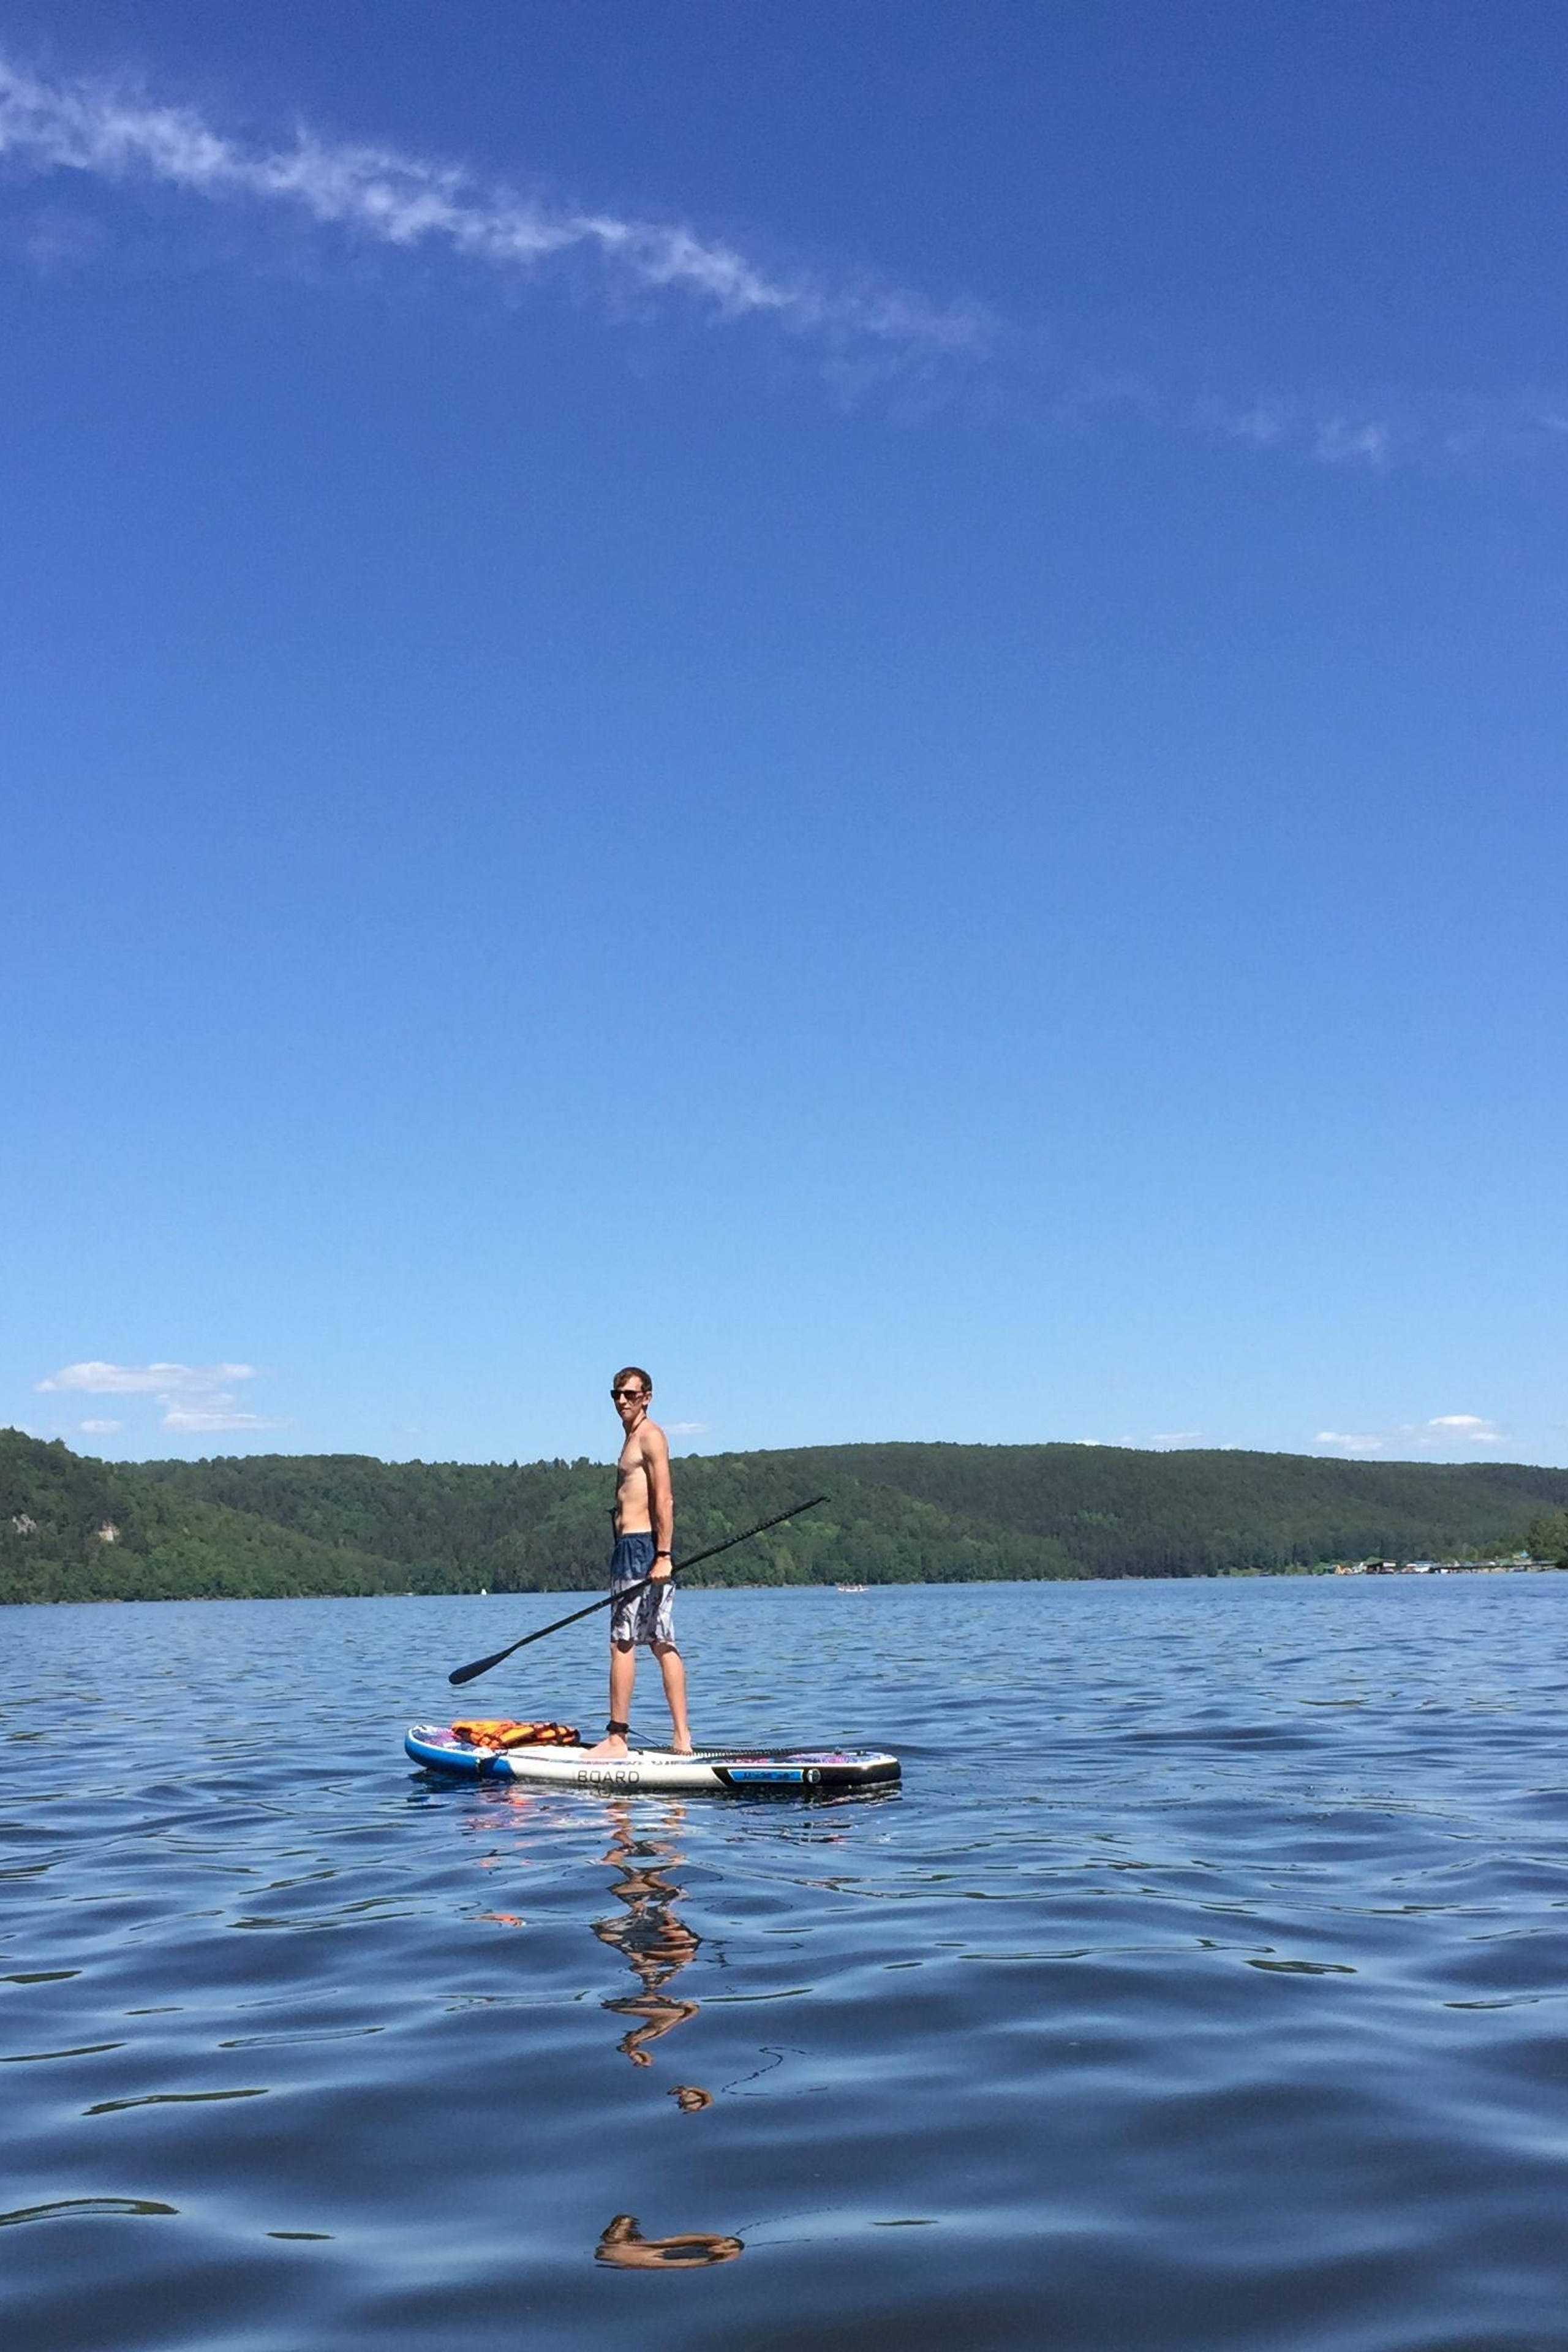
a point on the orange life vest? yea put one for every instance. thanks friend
(500, 1731)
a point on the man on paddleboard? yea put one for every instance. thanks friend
(644, 1535)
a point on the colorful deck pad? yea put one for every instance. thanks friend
(733, 1772)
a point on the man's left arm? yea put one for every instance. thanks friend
(660, 1498)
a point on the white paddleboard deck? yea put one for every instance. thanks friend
(728, 1772)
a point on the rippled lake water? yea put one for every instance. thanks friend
(1203, 1987)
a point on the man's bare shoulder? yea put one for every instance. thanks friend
(654, 1440)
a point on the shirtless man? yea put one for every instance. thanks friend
(645, 1532)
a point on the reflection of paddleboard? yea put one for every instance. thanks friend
(735, 1772)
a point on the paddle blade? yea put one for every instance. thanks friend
(479, 1666)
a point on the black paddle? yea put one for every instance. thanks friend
(483, 1665)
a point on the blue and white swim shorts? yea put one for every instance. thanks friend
(646, 1617)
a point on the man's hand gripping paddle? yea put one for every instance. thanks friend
(483, 1665)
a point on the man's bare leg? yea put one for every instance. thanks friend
(672, 1666)
(623, 1675)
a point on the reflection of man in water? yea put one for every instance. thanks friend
(625, 2248)
(655, 1942)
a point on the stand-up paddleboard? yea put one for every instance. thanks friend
(729, 1771)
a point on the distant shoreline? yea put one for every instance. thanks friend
(73, 1528)
(892, 1584)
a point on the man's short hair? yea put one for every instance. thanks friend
(631, 1372)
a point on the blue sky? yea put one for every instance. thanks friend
(864, 703)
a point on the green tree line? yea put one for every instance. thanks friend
(72, 1527)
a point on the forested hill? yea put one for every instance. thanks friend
(73, 1528)
(77, 1529)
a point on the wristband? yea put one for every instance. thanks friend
(664, 1555)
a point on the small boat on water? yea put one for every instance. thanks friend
(850, 1588)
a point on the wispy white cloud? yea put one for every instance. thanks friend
(195, 1398)
(690, 1428)
(1294, 427)
(1442, 1431)
(216, 1413)
(381, 197)
(1433, 430)
(100, 130)
(99, 1428)
(1342, 441)
(1265, 422)
(1176, 1438)
(145, 1380)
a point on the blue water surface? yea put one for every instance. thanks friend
(1203, 1987)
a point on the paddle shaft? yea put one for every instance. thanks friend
(483, 1665)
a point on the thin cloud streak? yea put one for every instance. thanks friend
(862, 333)
(390, 199)
(94, 1379)
(189, 1420)
(1410, 1437)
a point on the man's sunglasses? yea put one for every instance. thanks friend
(628, 1396)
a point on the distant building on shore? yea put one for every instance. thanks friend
(1516, 1563)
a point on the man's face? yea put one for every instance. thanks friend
(629, 1399)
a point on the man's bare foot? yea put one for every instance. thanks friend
(609, 1749)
